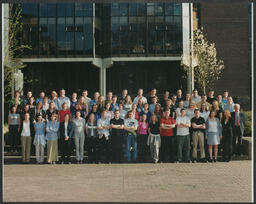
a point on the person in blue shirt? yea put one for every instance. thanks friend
(39, 140)
(62, 99)
(114, 104)
(41, 98)
(52, 129)
(94, 100)
(66, 131)
(146, 112)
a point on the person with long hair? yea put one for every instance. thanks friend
(140, 105)
(66, 133)
(213, 134)
(215, 107)
(187, 100)
(158, 111)
(52, 128)
(83, 107)
(39, 140)
(101, 103)
(154, 139)
(26, 138)
(52, 110)
(135, 113)
(14, 128)
(63, 112)
(79, 137)
(92, 139)
(227, 123)
(142, 138)
(109, 113)
(128, 103)
(53, 98)
(94, 110)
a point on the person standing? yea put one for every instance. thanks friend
(26, 139)
(123, 97)
(227, 123)
(117, 137)
(103, 126)
(146, 112)
(153, 104)
(142, 138)
(198, 129)
(39, 140)
(167, 124)
(92, 139)
(211, 97)
(63, 112)
(14, 128)
(122, 111)
(230, 105)
(62, 99)
(52, 129)
(87, 99)
(203, 100)
(79, 137)
(131, 125)
(128, 103)
(140, 95)
(238, 130)
(213, 134)
(151, 96)
(66, 133)
(183, 137)
(154, 139)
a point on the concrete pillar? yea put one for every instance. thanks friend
(186, 34)
(102, 64)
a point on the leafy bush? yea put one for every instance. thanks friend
(248, 123)
(244, 101)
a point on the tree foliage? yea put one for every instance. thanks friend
(207, 68)
(14, 48)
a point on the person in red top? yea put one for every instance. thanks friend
(167, 124)
(63, 112)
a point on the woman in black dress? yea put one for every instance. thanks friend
(227, 133)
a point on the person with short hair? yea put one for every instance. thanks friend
(109, 113)
(167, 124)
(146, 111)
(135, 113)
(101, 104)
(153, 104)
(63, 112)
(230, 105)
(203, 100)
(211, 97)
(220, 102)
(225, 97)
(62, 99)
(28, 95)
(26, 138)
(114, 104)
(140, 105)
(122, 111)
(238, 129)
(179, 96)
(41, 97)
(190, 112)
(53, 98)
(66, 130)
(213, 134)
(140, 95)
(123, 97)
(117, 137)
(73, 102)
(96, 96)
(227, 123)
(151, 96)
(18, 98)
(180, 106)
(187, 100)
(183, 124)
(165, 97)
(45, 104)
(14, 128)
(195, 97)
(131, 125)
(103, 126)
(87, 99)
(79, 137)
(52, 128)
(94, 110)
(154, 139)
(109, 97)
(39, 140)
(198, 128)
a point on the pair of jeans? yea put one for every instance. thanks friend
(39, 153)
(79, 142)
(104, 149)
(13, 136)
(183, 147)
(131, 142)
(167, 150)
(92, 149)
(237, 135)
(65, 150)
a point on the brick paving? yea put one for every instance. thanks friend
(211, 182)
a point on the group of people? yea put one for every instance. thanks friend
(119, 129)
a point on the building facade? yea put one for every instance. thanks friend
(112, 46)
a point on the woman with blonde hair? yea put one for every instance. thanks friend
(227, 123)
(128, 103)
(83, 107)
(215, 107)
(53, 97)
(158, 111)
(154, 139)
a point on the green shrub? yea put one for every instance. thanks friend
(248, 123)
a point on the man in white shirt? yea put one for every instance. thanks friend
(131, 125)
(144, 99)
(195, 96)
(103, 125)
(183, 137)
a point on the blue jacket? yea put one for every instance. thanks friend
(70, 130)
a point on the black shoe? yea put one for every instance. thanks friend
(210, 160)
(194, 161)
(215, 160)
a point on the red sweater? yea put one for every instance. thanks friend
(167, 132)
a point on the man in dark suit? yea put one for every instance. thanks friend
(238, 129)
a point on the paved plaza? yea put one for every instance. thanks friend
(213, 182)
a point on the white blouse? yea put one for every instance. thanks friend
(26, 129)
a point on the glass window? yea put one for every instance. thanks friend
(150, 9)
(141, 9)
(159, 9)
(52, 36)
(29, 9)
(43, 9)
(123, 9)
(69, 9)
(88, 9)
(51, 10)
(79, 9)
(169, 9)
(115, 9)
(61, 9)
(133, 9)
(177, 9)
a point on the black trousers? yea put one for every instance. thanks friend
(92, 149)
(237, 134)
(65, 150)
(14, 136)
(227, 143)
(167, 149)
(117, 142)
(142, 147)
(104, 150)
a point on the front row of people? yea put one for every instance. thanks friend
(109, 140)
